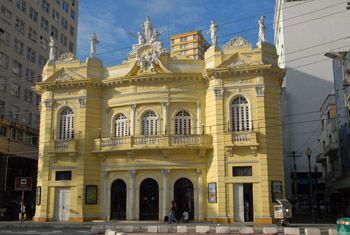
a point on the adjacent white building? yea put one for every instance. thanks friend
(304, 31)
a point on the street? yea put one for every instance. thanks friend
(45, 231)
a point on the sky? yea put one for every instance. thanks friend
(116, 21)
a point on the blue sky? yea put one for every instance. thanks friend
(113, 20)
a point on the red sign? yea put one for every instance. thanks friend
(23, 184)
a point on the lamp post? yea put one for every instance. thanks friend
(308, 153)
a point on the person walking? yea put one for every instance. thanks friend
(172, 213)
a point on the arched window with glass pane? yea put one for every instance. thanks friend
(67, 124)
(150, 123)
(183, 123)
(240, 115)
(121, 126)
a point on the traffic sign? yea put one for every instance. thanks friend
(23, 184)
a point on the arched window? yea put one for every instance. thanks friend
(240, 114)
(67, 124)
(121, 126)
(150, 124)
(183, 123)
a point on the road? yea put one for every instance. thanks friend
(21, 231)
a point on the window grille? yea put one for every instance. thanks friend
(121, 126)
(240, 116)
(67, 124)
(183, 123)
(150, 124)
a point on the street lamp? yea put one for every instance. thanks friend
(308, 153)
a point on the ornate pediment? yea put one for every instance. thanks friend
(64, 77)
(237, 42)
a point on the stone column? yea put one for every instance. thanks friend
(165, 199)
(200, 194)
(132, 174)
(132, 121)
(165, 118)
(199, 125)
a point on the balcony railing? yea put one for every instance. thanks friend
(159, 141)
(63, 146)
(247, 138)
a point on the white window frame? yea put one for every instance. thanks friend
(240, 114)
(66, 122)
(183, 123)
(150, 124)
(121, 127)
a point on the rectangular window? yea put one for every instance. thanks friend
(6, 14)
(2, 84)
(44, 24)
(64, 23)
(18, 46)
(27, 117)
(38, 99)
(33, 14)
(43, 42)
(29, 75)
(31, 54)
(2, 109)
(55, 15)
(32, 34)
(5, 37)
(42, 61)
(15, 89)
(242, 171)
(3, 129)
(71, 46)
(19, 25)
(64, 40)
(17, 68)
(45, 6)
(54, 32)
(14, 112)
(21, 5)
(72, 14)
(4, 60)
(71, 30)
(28, 96)
(65, 6)
(63, 175)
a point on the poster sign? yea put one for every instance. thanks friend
(38, 195)
(90, 194)
(212, 192)
(23, 184)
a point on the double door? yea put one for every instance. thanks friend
(62, 204)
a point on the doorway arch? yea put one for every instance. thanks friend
(183, 196)
(118, 200)
(149, 200)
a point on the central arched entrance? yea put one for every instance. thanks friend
(118, 200)
(149, 200)
(183, 196)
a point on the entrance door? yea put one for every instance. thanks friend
(183, 196)
(149, 203)
(118, 200)
(62, 204)
(243, 202)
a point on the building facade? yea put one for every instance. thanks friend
(121, 142)
(25, 29)
(309, 74)
(191, 45)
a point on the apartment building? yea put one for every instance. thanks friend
(191, 45)
(309, 74)
(25, 29)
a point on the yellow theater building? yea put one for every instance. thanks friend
(121, 142)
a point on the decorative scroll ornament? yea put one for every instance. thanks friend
(237, 42)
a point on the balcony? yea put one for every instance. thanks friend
(248, 138)
(63, 146)
(152, 142)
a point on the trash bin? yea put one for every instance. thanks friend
(343, 226)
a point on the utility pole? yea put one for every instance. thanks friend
(295, 183)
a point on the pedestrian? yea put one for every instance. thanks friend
(172, 213)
